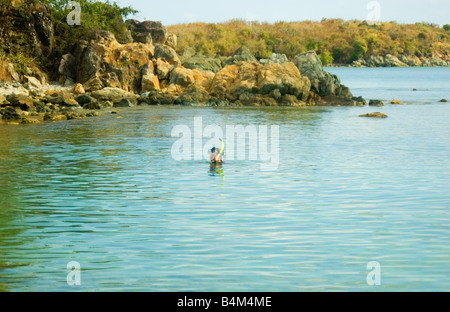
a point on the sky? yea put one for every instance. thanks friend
(214, 11)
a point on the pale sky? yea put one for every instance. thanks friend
(213, 11)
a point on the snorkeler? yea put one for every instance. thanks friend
(215, 155)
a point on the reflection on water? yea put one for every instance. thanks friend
(216, 168)
(108, 195)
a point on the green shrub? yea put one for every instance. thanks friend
(21, 62)
(359, 49)
(326, 57)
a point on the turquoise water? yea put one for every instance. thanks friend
(348, 191)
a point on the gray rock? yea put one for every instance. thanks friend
(275, 58)
(124, 103)
(323, 83)
(242, 54)
(376, 103)
(148, 31)
(166, 53)
(68, 66)
(158, 98)
(202, 62)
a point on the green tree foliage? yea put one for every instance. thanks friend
(342, 41)
(359, 49)
(326, 57)
(95, 15)
(446, 27)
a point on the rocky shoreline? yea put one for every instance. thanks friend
(102, 72)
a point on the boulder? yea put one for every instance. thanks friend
(396, 102)
(166, 53)
(60, 97)
(58, 118)
(275, 58)
(68, 66)
(139, 32)
(360, 101)
(172, 41)
(7, 72)
(323, 83)
(78, 89)
(114, 95)
(148, 31)
(92, 106)
(242, 54)
(376, 103)
(124, 103)
(85, 99)
(158, 98)
(150, 82)
(194, 95)
(32, 83)
(183, 77)
(163, 69)
(443, 101)
(21, 101)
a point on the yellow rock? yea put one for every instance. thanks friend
(78, 89)
(29, 121)
(59, 117)
(396, 102)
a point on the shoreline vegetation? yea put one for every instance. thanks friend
(51, 71)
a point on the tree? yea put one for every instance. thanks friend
(359, 49)
(326, 57)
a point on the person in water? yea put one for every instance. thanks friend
(215, 154)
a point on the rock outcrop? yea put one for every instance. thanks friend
(323, 83)
(401, 61)
(104, 62)
(251, 83)
(149, 32)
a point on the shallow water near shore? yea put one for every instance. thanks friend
(107, 194)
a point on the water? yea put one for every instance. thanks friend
(348, 191)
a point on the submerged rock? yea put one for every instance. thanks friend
(443, 101)
(375, 115)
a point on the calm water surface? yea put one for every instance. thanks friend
(348, 191)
